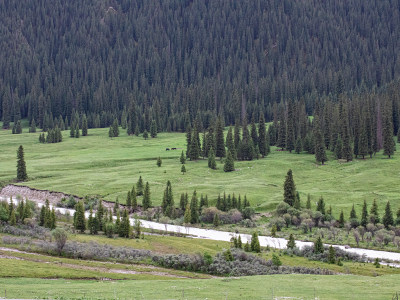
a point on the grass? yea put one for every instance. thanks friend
(255, 287)
(98, 165)
(160, 244)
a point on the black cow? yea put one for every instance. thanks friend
(166, 149)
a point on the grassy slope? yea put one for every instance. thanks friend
(108, 167)
(257, 287)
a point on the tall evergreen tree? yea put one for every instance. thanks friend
(219, 139)
(139, 186)
(388, 142)
(84, 126)
(364, 215)
(146, 197)
(387, 219)
(194, 209)
(263, 146)
(289, 187)
(182, 158)
(79, 218)
(229, 165)
(195, 147)
(21, 166)
(374, 214)
(211, 159)
(153, 129)
(230, 143)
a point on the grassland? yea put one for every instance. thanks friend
(98, 165)
(256, 287)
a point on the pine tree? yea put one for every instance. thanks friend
(347, 152)
(290, 138)
(339, 148)
(363, 142)
(387, 219)
(388, 143)
(374, 214)
(21, 166)
(77, 131)
(188, 140)
(84, 126)
(308, 205)
(124, 227)
(153, 129)
(133, 198)
(318, 246)
(341, 219)
(236, 134)
(129, 201)
(230, 143)
(320, 154)
(216, 220)
(194, 152)
(331, 255)
(194, 209)
(72, 131)
(139, 186)
(239, 242)
(13, 219)
(182, 158)
(219, 139)
(262, 137)
(297, 204)
(291, 244)
(353, 214)
(183, 169)
(211, 159)
(289, 189)
(159, 161)
(187, 219)
(364, 215)
(321, 205)
(255, 243)
(79, 219)
(145, 134)
(146, 197)
(298, 148)
(53, 219)
(229, 165)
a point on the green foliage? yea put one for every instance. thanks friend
(194, 209)
(318, 246)
(182, 159)
(276, 260)
(79, 217)
(146, 197)
(229, 165)
(291, 244)
(289, 189)
(61, 237)
(331, 255)
(387, 219)
(255, 243)
(145, 134)
(211, 159)
(183, 169)
(216, 220)
(21, 166)
(153, 129)
(219, 139)
(159, 161)
(139, 186)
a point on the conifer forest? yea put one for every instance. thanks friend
(199, 149)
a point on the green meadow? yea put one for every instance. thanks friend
(99, 165)
(255, 287)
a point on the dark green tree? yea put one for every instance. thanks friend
(255, 243)
(139, 186)
(84, 126)
(21, 166)
(374, 214)
(318, 246)
(219, 139)
(332, 255)
(289, 188)
(387, 219)
(182, 158)
(146, 197)
(183, 169)
(229, 165)
(159, 161)
(153, 129)
(194, 209)
(263, 146)
(79, 217)
(291, 244)
(364, 215)
(211, 159)
(145, 134)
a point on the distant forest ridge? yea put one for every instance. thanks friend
(173, 61)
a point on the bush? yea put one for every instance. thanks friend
(60, 236)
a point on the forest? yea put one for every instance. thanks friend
(172, 61)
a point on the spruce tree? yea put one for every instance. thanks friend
(229, 165)
(77, 131)
(262, 137)
(347, 152)
(219, 139)
(364, 215)
(145, 134)
(374, 214)
(318, 246)
(187, 219)
(331, 255)
(321, 205)
(129, 201)
(216, 220)
(363, 142)
(153, 129)
(159, 161)
(182, 158)
(84, 126)
(194, 152)
(211, 159)
(388, 143)
(339, 148)
(290, 138)
(298, 148)
(133, 198)
(320, 154)
(289, 189)
(188, 140)
(194, 209)
(291, 244)
(21, 166)
(236, 134)
(387, 219)
(183, 169)
(230, 143)
(308, 205)
(341, 219)
(72, 131)
(255, 243)
(79, 219)
(139, 186)
(146, 197)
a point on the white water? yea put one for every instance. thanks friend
(216, 235)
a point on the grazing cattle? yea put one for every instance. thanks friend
(173, 148)
(166, 149)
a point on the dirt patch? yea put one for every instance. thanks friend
(40, 196)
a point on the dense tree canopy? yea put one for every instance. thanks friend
(167, 62)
